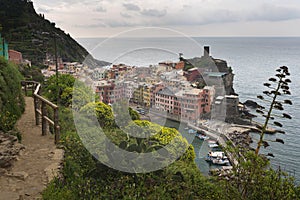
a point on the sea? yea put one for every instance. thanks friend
(253, 60)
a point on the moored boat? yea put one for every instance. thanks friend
(220, 161)
(202, 136)
(212, 145)
(191, 131)
(211, 142)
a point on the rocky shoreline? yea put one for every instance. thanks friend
(239, 136)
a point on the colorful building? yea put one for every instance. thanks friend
(193, 103)
(105, 90)
(3, 48)
(188, 105)
(15, 56)
(164, 100)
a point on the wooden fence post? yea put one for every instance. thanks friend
(56, 126)
(44, 121)
(36, 107)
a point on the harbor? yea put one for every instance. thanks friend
(202, 146)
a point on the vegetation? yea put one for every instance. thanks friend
(32, 73)
(11, 99)
(85, 177)
(252, 178)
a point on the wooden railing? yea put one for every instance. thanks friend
(41, 111)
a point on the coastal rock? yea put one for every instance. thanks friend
(9, 149)
(251, 104)
(19, 175)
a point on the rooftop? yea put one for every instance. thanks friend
(166, 91)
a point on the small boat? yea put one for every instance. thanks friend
(212, 145)
(202, 137)
(218, 148)
(227, 168)
(212, 142)
(191, 131)
(217, 154)
(218, 158)
(220, 161)
(186, 128)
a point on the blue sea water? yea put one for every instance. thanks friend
(253, 60)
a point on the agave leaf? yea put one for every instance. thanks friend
(277, 124)
(279, 140)
(273, 79)
(278, 107)
(286, 116)
(287, 101)
(287, 80)
(260, 97)
(265, 144)
(284, 67)
(259, 111)
(280, 131)
(271, 155)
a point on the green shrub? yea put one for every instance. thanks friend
(11, 100)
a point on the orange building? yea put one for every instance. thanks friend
(15, 56)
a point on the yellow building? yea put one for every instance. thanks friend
(146, 95)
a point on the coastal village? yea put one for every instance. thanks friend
(194, 91)
(180, 89)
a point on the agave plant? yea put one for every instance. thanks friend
(278, 86)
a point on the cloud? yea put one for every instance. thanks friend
(44, 10)
(96, 25)
(270, 12)
(100, 9)
(176, 13)
(153, 12)
(131, 7)
(126, 15)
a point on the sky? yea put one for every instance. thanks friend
(107, 18)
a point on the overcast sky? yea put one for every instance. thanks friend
(104, 18)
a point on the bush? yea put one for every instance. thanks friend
(11, 99)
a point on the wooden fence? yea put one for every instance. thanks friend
(41, 111)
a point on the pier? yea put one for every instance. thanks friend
(219, 137)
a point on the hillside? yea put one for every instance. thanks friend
(33, 35)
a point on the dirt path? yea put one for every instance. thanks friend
(36, 165)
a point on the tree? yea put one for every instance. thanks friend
(252, 177)
(278, 86)
(102, 111)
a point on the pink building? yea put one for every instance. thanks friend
(193, 104)
(189, 105)
(164, 100)
(153, 90)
